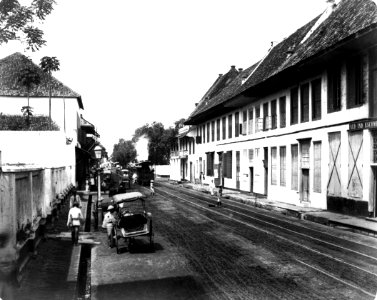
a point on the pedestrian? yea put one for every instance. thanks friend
(74, 198)
(152, 188)
(108, 223)
(212, 188)
(75, 218)
(219, 194)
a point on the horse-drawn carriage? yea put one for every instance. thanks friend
(133, 219)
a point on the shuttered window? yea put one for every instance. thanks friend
(282, 111)
(294, 106)
(334, 89)
(355, 164)
(208, 132)
(283, 166)
(251, 120)
(218, 129)
(237, 124)
(224, 128)
(210, 163)
(317, 146)
(227, 158)
(213, 131)
(316, 99)
(294, 164)
(273, 166)
(304, 90)
(230, 128)
(355, 94)
(204, 133)
(251, 155)
(334, 185)
(273, 114)
(257, 117)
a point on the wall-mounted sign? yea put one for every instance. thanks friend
(364, 124)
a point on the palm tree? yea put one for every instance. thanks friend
(28, 77)
(48, 65)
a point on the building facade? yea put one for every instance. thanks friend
(299, 126)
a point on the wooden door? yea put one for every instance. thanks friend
(251, 179)
(304, 185)
(238, 168)
(355, 164)
(334, 185)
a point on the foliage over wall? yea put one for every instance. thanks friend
(18, 123)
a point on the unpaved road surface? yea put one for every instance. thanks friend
(242, 252)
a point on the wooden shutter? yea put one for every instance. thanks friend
(355, 164)
(317, 166)
(334, 185)
(294, 164)
(273, 165)
(283, 165)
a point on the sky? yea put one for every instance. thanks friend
(136, 62)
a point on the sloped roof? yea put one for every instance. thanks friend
(221, 90)
(11, 66)
(347, 19)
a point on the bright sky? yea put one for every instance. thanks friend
(135, 62)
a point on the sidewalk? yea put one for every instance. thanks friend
(52, 273)
(366, 226)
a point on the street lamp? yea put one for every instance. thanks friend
(98, 153)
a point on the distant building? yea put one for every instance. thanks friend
(300, 125)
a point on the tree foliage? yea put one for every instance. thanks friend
(161, 140)
(28, 78)
(124, 152)
(17, 22)
(49, 65)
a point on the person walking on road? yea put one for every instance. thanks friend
(75, 218)
(108, 223)
(74, 198)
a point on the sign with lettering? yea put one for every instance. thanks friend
(365, 124)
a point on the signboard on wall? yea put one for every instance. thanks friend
(363, 124)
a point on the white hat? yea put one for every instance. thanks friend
(110, 207)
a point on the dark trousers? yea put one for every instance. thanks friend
(75, 234)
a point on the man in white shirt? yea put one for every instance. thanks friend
(108, 223)
(74, 221)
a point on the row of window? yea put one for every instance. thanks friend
(278, 163)
(302, 97)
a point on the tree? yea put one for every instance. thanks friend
(161, 140)
(28, 78)
(17, 22)
(48, 65)
(124, 152)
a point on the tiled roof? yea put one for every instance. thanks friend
(224, 90)
(348, 18)
(11, 65)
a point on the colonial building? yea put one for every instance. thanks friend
(300, 125)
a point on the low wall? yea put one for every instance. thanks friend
(28, 196)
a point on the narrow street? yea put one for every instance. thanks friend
(241, 252)
(207, 252)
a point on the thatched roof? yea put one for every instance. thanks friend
(10, 68)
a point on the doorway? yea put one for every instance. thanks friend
(372, 207)
(265, 165)
(238, 170)
(191, 173)
(304, 185)
(251, 179)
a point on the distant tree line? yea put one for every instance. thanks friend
(161, 140)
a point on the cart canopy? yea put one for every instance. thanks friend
(127, 197)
